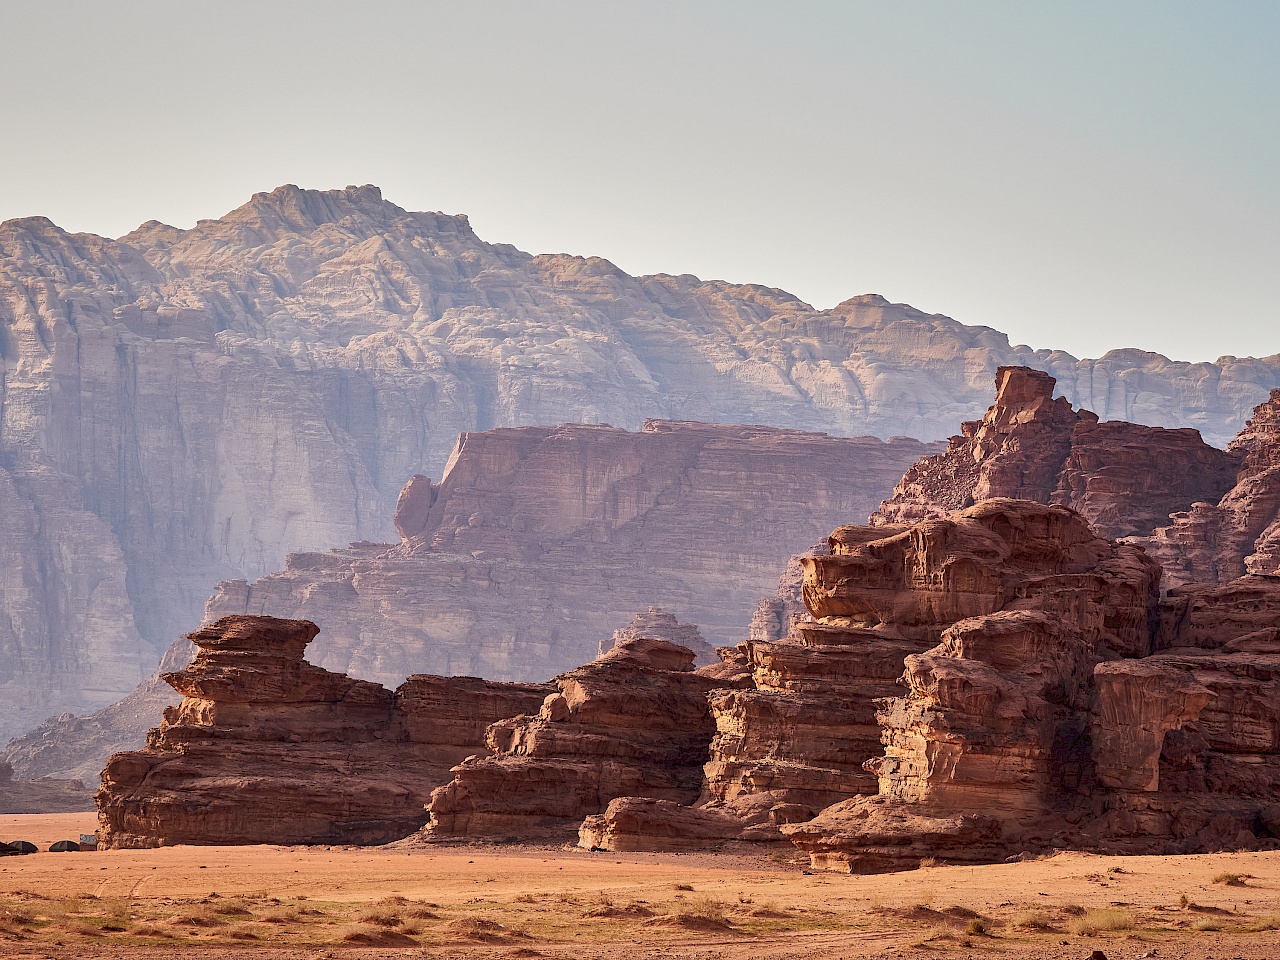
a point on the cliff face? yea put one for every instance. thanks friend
(539, 541)
(1225, 539)
(197, 403)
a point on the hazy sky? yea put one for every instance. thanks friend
(1080, 175)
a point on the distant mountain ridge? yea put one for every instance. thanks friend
(179, 407)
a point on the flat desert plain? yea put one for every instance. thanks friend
(486, 901)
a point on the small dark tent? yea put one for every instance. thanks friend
(7, 851)
(65, 846)
(24, 846)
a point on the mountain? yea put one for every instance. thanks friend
(179, 407)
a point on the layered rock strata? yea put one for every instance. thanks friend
(989, 747)
(197, 403)
(1124, 478)
(632, 723)
(41, 796)
(523, 556)
(1187, 741)
(267, 748)
(1223, 539)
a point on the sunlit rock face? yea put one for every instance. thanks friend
(179, 407)
(268, 748)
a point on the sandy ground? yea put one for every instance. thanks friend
(508, 902)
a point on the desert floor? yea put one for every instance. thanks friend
(503, 901)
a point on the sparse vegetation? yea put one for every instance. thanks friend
(927, 862)
(1263, 924)
(1101, 920)
(1207, 925)
(1231, 879)
(1030, 920)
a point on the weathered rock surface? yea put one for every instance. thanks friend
(198, 403)
(1024, 601)
(632, 723)
(267, 748)
(540, 540)
(525, 555)
(1124, 478)
(1221, 540)
(41, 796)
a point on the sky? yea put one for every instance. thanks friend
(1083, 176)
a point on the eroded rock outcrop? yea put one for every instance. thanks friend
(267, 748)
(992, 736)
(1221, 540)
(1124, 478)
(1188, 739)
(263, 383)
(526, 556)
(632, 723)
(41, 796)
(523, 557)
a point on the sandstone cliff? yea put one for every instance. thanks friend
(539, 541)
(543, 521)
(194, 404)
(1126, 479)
(267, 748)
(633, 722)
(1221, 540)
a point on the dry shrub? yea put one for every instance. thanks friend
(196, 920)
(685, 886)
(1263, 924)
(1231, 879)
(975, 928)
(1030, 920)
(422, 913)
(480, 929)
(378, 938)
(927, 862)
(1207, 925)
(1101, 920)
(632, 911)
(382, 918)
(233, 908)
(146, 930)
(282, 917)
(526, 898)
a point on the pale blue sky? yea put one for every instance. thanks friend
(1079, 175)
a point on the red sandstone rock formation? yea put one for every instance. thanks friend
(1240, 533)
(1126, 479)
(45, 795)
(525, 554)
(1188, 740)
(1024, 600)
(632, 723)
(267, 748)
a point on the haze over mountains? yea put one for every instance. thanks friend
(179, 407)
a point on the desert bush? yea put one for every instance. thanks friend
(382, 918)
(1263, 924)
(927, 862)
(1102, 920)
(1029, 920)
(1207, 925)
(1230, 879)
(975, 928)
(703, 908)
